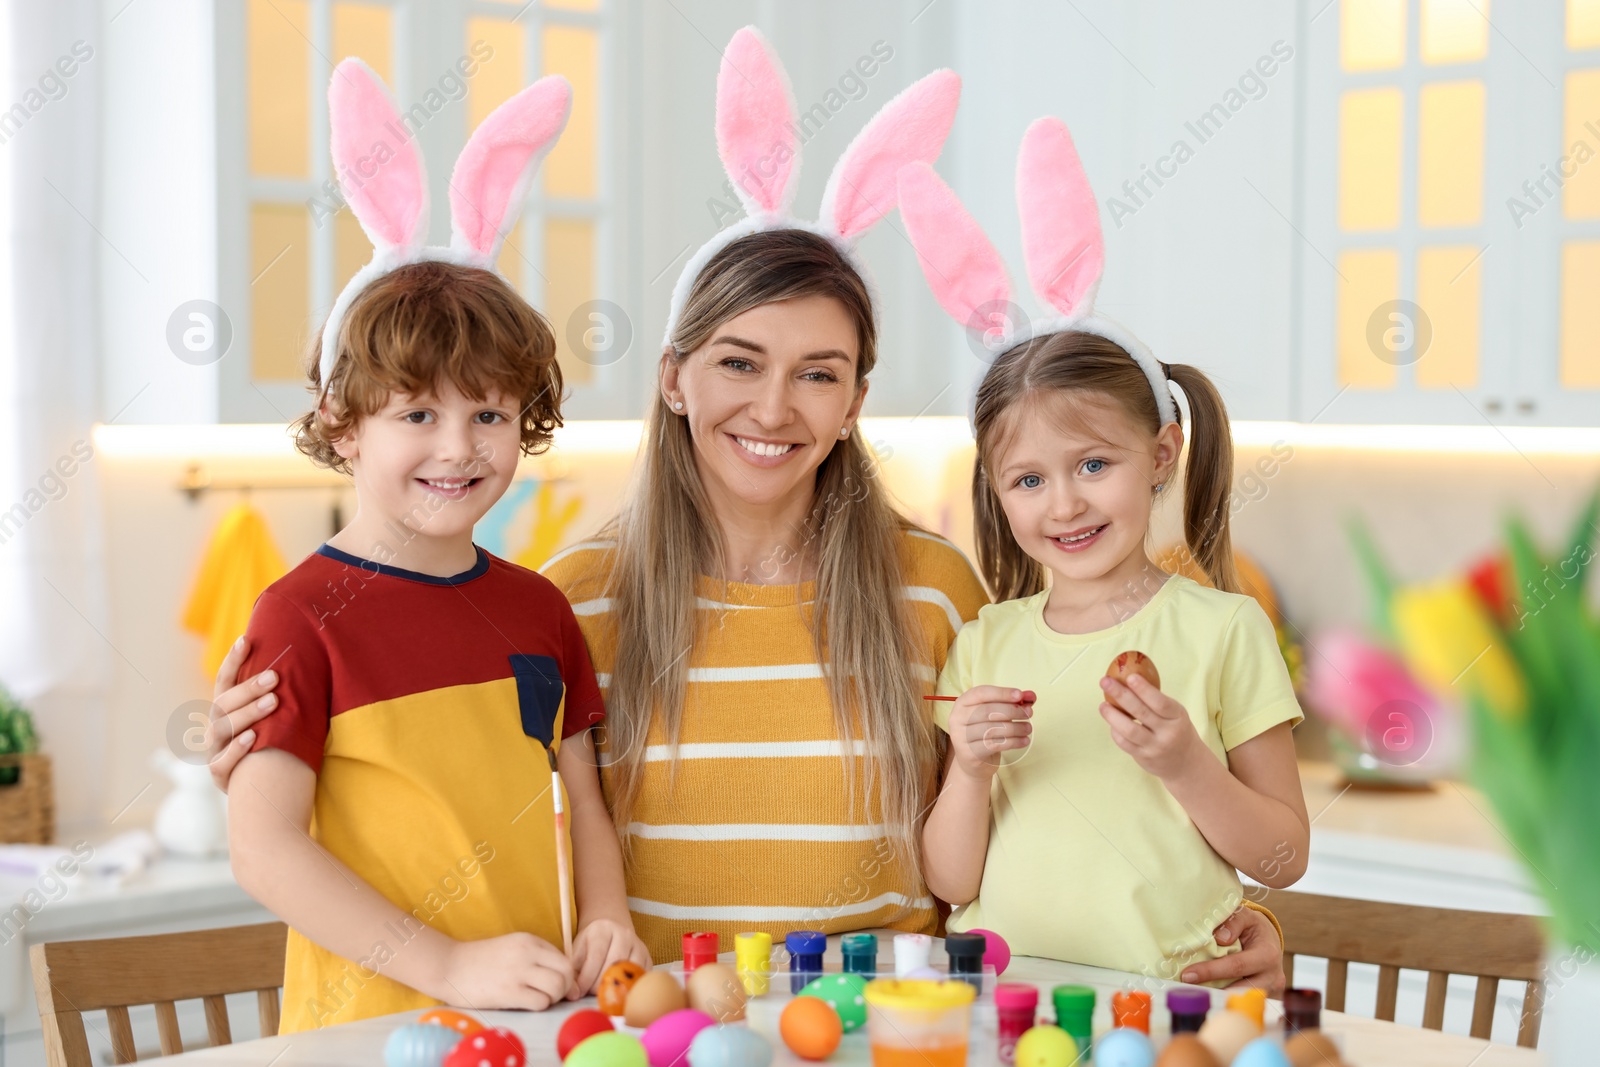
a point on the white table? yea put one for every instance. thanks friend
(1367, 1042)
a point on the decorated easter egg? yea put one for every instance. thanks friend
(455, 1020)
(1124, 1048)
(1264, 1052)
(810, 1027)
(615, 982)
(580, 1024)
(996, 953)
(1186, 1050)
(419, 1045)
(1311, 1048)
(1045, 1046)
(729, 1046)
(846, 993)
(615, 1049)
(652, 996)
(715, 989)
(498, 1046)
(1128, 664)
(1226, 1032)
(667, 1039)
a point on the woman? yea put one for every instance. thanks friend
(754, 790)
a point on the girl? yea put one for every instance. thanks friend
(1102, 821)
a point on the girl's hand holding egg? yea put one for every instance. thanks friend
(1146, 723)
(986, 722)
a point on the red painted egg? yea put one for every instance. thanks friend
(579, 1025)
(496, 1048)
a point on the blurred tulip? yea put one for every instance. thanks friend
(1448, 640)
(1367, 694)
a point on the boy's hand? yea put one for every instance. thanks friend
(511, 971)
(1149, 726)
(986, 722)
(600, 944)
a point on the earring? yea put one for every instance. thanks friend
(844, 431)
(1160, 486)
(677, 406)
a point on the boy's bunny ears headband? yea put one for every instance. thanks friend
(1061, 243)
(758, 138)
(381, 175)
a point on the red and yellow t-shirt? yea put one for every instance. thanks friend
(425, 705)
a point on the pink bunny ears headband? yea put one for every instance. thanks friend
(381, 175)
(758, 138)
(1061, 243)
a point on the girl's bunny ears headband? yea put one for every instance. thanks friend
(1061, 243)
(758, 138)
(381, 175)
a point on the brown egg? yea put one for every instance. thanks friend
(1130, 663)
(1312, 1048)
(1185, 1050)
(615, 981)
(651, 997)
(715, 989)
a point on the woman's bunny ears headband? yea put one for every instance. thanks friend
(381, 175)
(1061, 243)
(758, 138)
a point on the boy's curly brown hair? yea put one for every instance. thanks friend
(424, 325)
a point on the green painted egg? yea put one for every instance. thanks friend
(846, 994)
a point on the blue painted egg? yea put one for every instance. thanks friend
(729, 1046)
(1124, 1048)
(419, 1045)
(1262, 1052)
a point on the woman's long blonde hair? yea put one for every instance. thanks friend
(864, 634)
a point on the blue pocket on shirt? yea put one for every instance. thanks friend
(539, 690)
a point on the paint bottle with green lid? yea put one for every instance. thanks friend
(1075, 1014)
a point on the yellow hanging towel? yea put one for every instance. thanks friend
(240, 562)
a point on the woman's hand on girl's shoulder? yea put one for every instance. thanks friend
(1149, 726)
(986, 722)
(235, 706)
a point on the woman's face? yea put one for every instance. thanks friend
(767, 396)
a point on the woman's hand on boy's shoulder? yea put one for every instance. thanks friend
(1257, 965)
(598, 945)
(986, 722)
(234, 709)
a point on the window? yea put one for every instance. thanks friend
(1410, 201)
(1579, 180)
(288, 246)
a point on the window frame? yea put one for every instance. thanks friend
(428, 37)
(1507, 364)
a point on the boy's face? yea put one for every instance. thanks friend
(437, 462)
(1079, 501)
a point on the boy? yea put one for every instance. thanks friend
(395, 810)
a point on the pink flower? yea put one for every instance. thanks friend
(1367, 694)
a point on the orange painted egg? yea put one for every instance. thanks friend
(455, 1020)
(810, 1027)
(615, 983)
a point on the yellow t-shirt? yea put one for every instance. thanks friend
(1090, 858)
(756, 828)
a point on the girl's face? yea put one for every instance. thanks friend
(1076, 482)
(436, 463)
(766, 398)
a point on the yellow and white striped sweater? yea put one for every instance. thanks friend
(756, 831)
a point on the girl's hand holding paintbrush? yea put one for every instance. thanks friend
(987, 722)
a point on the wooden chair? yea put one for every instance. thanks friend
(1442, 941)
(72, 977)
